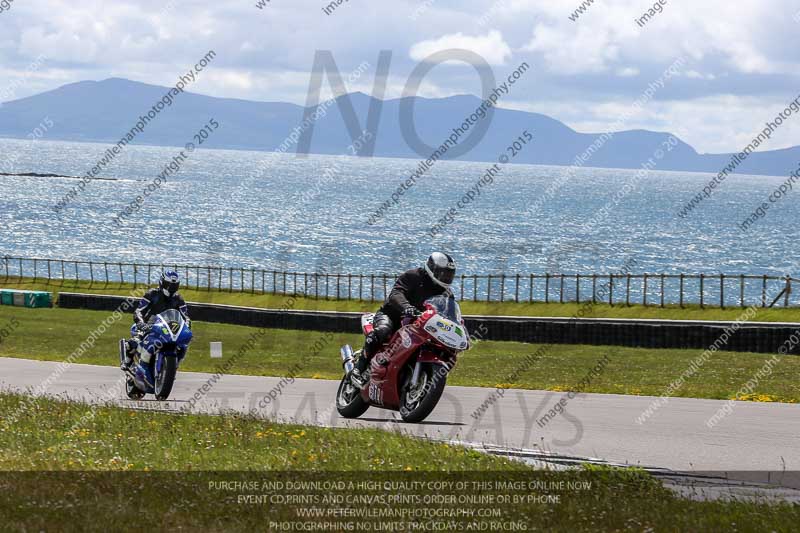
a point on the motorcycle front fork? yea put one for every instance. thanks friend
(415, 375)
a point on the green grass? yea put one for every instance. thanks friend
(690, 312)
(52, 334)
(73, 467)
(56, 435)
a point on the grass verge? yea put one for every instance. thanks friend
(599, 310)
(74, 467)
(52, 334)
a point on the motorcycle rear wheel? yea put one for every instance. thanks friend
(166, 378)
(349, 402)
(416, 404)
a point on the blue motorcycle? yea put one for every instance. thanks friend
(166, 338)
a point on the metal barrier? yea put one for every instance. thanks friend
(705, 290)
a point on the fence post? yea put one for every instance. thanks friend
(76, 271)
(594, 288)
(372, 287)
(489, 288)
(722, 290)
(628, 289)
(578, 288)
(787, 291)
(611, 290)
(105, 268)
(502, 286)
(547, 287)
(34, 270)
(516, 289)
(741, 291)
(702, 291)
(252, 281)
(681, 290)
(530, 288)
(5, 265)
(474, 287)
(48, 272)
(134, 275)
(561, 289)
(385, 289)
(764, 291)
(349, 286)
(305, 284)
(91, 274)
(662, 289)
(644, 291)
(338, 280)
(462, 287)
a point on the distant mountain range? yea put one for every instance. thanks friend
(104, 111)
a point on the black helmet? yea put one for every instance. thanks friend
(170, 282)
(441, 268)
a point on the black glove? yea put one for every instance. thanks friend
(411, 312)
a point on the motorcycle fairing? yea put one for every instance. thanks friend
(366, 323)
(387, 364)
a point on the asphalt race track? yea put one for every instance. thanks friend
(756, 441)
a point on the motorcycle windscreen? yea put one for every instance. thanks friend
(446, 306)
(172, 321)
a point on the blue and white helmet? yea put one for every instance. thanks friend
(170, 282)
(441, 268)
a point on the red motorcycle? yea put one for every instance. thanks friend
(409, 373)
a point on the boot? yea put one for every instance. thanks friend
(130, 348)
(360, 374)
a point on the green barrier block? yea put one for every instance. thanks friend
(38, 299)
(6, 297)
(33, 299)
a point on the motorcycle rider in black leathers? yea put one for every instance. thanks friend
(154, 302)
(405, 300)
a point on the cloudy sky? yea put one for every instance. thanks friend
(741, 63)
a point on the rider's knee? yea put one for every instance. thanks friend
(382, 333)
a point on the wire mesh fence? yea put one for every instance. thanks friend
(650, 289)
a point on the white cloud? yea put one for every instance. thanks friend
(628, 72)
(606, 35)
(586, 71)
(491, 46)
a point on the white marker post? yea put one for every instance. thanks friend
(216, 350)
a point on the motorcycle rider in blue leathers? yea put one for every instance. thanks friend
(154, 302)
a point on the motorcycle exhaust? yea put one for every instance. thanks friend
(347, 358)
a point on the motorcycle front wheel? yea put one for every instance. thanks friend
(166, 378)
(349, 402)
(416, 403)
